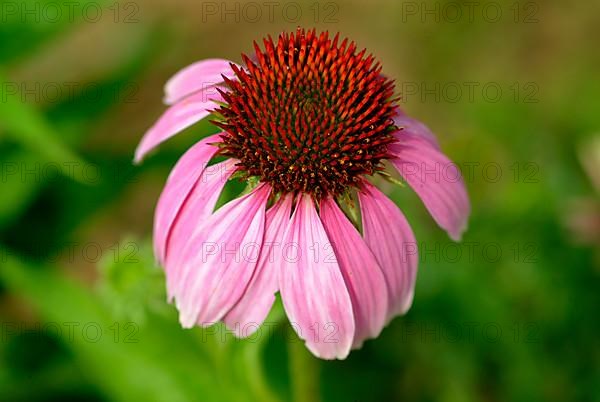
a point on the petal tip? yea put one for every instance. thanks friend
(141, 152)
(137, 160)
(457, 235)
(338, 354)
(186, 321)
(138, 156)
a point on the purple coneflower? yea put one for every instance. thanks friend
(304, 122)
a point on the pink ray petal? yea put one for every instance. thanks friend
(196, 77)
(194, 214)
(254, 306)
(177, 118)
(219, 260)
(393, 243)
(436, 180)
(362, 274)
(415, 129)
(312, 287)
(179, 184)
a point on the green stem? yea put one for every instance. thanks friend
(256, 375)
(304, 371)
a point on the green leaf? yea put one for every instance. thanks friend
(29, 128)
(128, 362)
(131, 284)
(18, 191)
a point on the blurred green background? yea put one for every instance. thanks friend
(510, 314)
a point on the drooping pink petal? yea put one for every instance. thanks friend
(415, 129)
(220, 259)
(393, 243)
(436, 180)
(194, 214)
(254, 306)
(362, 274)
(179, 184)
(195, 77)
(177, 118)
(312, 287)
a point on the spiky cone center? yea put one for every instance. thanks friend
(309, 115)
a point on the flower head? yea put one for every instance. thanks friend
(311, 115)
(306, 121)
